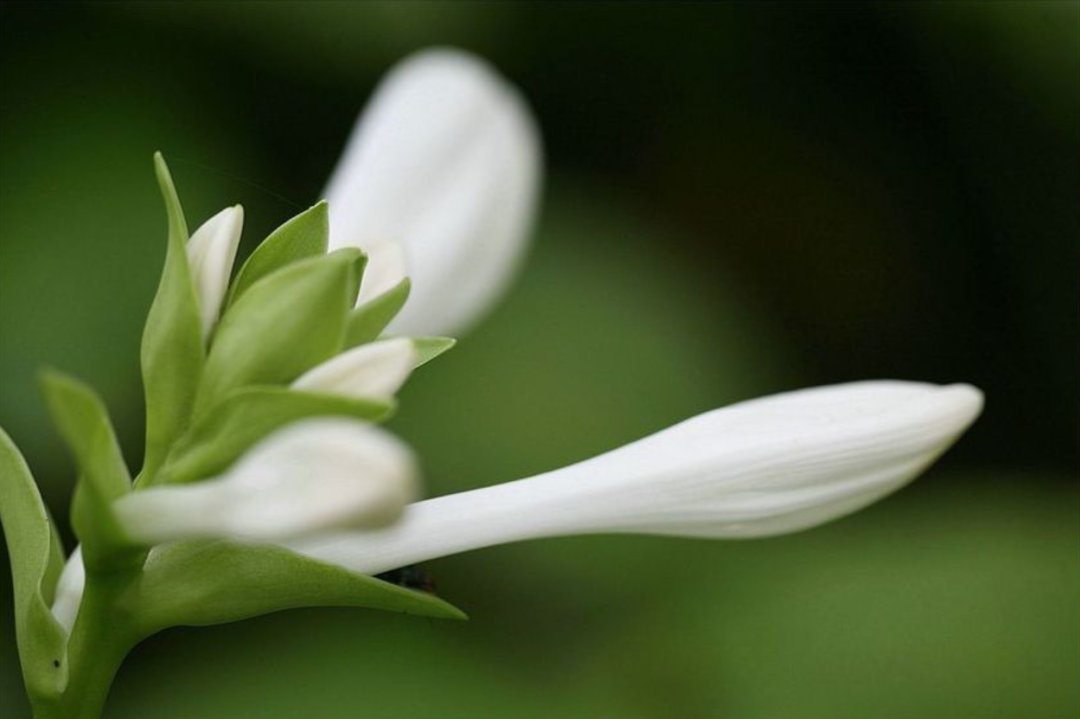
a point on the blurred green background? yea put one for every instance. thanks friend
(740, 199)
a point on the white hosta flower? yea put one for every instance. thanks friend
(310, 476)
(764, 467)
(211, 251)
(445, 162)
(375, 371)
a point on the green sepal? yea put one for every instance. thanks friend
(305, 235)
(428, 348)
(83, 422)
(201, 583)
(368, 320)
(37, 557)
(248, 415)
(172, 344)
(352, 291)
(284, 324)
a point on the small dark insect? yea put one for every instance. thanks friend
(411, 577)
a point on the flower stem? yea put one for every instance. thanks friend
(102, 636)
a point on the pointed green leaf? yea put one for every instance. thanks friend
(352, 291)
(305, 235)
(36, 560)
(83, 422)
(428, 348)
(285, 323)
(172, 346)
(199, 583)
(248, 415)
(371, 318)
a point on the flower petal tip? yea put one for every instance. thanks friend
(211, 253)
(445, 160)
(375, 370)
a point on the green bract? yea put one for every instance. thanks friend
(172, 346)
(305, 235)
(36, 559)
(286, 323)
(197, 583)
(81, 418)
(290, 307)
(367, 321)
(428, 348)
(246, 416)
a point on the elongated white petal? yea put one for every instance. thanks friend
(764, 467)
(313, 475)
(444, 160)
(385, 270)
(375, 370)
(69, 590)
(211, 251)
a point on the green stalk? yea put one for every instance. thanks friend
(102, 636)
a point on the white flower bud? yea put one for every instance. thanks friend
(371, 371)
(444, 161)
(314, 475)
(211, 251)
(69, 590)
(758, 468)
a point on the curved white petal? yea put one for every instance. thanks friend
(312, 475)
(375, 370)
(211, 251)
(385, 270)
(445, 160)
(765, 467)
(69, 590)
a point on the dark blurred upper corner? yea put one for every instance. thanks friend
(891, 187)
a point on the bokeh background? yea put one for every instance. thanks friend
(740, 199)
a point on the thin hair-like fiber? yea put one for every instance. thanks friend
(250, 183)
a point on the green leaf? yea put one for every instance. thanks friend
(428, 348)
(285, 323)
(199, 583)
(36, 560)
(83, 422)
(248, 415)
(305, 235)
(172, 345)
(371, 318)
